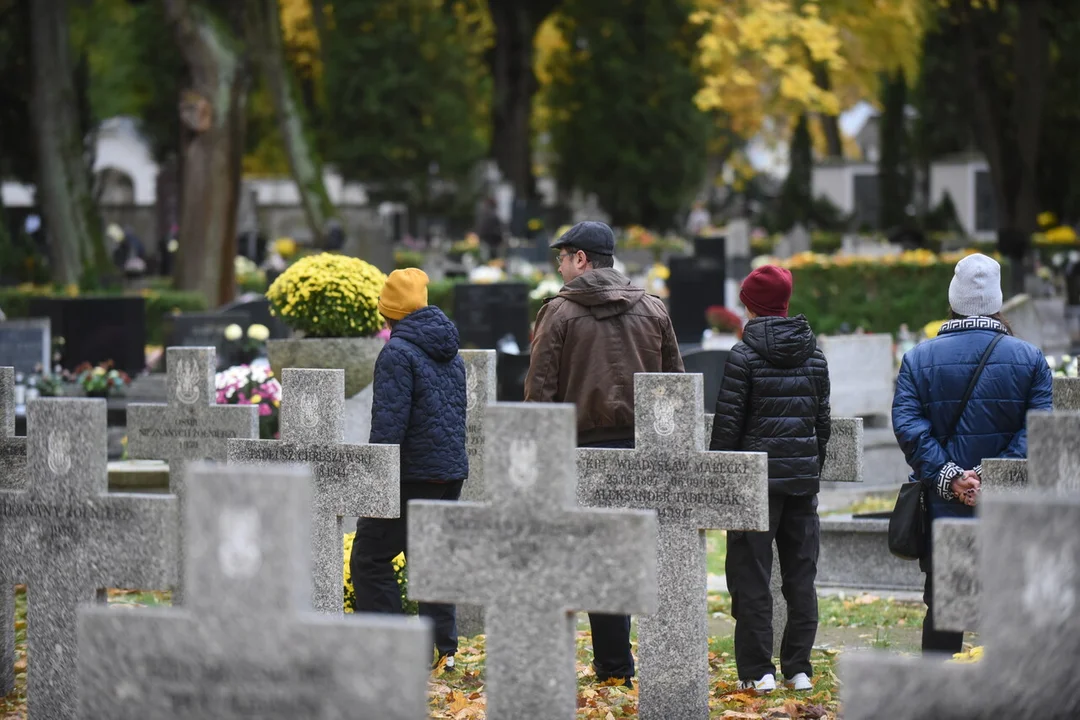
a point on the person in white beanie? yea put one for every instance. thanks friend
(961, 397)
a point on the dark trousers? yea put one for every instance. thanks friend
(611, 633)
(377, 542)
(935, 641)
(794, 526)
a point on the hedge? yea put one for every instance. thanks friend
(15, 301)
(876, 297)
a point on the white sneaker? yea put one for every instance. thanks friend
(765, 685)
(800, 683)
(450, 664)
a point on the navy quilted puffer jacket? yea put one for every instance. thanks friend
(931, 384)
(419, 398)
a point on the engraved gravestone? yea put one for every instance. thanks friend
(65, 537)
(358, 480)
(481, 388)
(247, 643)
(1029, 563)
(532, 558)
(691, 489)
(190, 426)
(1053, 465)
(12, 477)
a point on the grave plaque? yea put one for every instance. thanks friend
(356, 480)
(671, 472)
(65, 537)
(26, 344)
(247, 644)
(12, 477)
(1028, 563)
(485, 313)
(1066, 393)
(190, 426)
(96, 329)
(531, 557)
(481, 389)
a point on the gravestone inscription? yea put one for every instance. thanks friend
(357, 480)
(670, 471)
(65, 537)
(247, 644)
(531, 557)
(190, 426)
(1028, 564)
(481, 389)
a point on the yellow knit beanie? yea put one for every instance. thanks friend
(405, 292)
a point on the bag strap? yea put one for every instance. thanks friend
(971, 388)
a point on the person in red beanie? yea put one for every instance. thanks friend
(775, 399)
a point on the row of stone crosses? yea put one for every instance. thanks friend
(253, 554)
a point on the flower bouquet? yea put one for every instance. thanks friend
(102, 380)
(722, 320)
(252, 384)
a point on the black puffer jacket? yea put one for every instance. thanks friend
(775, 399)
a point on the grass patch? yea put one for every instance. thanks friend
(715, 551)
(861, 611)
(869, 504)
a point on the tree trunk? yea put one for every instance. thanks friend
(264, 32)
(76, 245)
(1009, 136)
(212, 114)
(511, 60)
(830, 124)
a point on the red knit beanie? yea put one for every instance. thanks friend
(767, 290)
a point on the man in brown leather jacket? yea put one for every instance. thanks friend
(589, 341)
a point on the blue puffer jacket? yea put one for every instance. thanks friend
(932, 381)
(419, 398)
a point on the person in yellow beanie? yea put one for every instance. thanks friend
(405, 292)
(418, 404)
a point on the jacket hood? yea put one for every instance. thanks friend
(430, 330)
(605, 291)
(783, 342)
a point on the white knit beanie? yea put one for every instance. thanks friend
(976, 286)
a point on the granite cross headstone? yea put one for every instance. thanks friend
(481, 388)
(357, 480)
(190, 426)
(531, 557)
(65, 537)
(12, 477)
(1029, 563)
(247, 644)
(670, 471)
(1053, 465)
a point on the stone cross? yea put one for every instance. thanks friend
(482, 387)
(191, 426)
(12, 477)
(1054, 461)
(1029, 562)
(532, 558)
(65, 537)
(247, 644)
(357, 480)
(671, 472)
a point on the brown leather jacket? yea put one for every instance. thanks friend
(589, 341)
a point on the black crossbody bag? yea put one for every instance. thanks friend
(909, 523)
